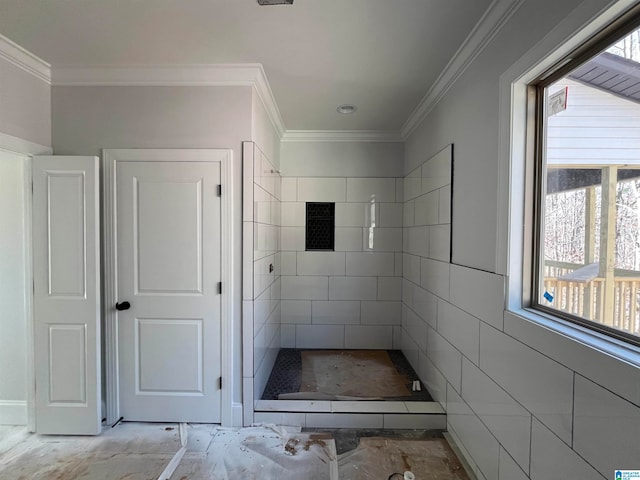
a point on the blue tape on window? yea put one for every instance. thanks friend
(548, 296)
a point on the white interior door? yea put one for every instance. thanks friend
(168, 263)
(66, 307)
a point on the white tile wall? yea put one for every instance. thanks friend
(427, 209)
(509, 422)
(552, 458)
(367, 336)
(353, 288)
(445, 357)
(262, 311)
(321, 263)
(305, 288)
(320, 336)
(542, 386)
(434, 276)
(477, 439)
(355, 272)
(322, 189)
(440, 242)
(460, 329)
(335, 312)
(509, 469)
(606, 430)
(368, 189)
(479, 292)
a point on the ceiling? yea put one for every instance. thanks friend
(382, 55)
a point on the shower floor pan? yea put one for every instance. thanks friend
(347, 389)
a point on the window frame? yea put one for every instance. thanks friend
(536, 167)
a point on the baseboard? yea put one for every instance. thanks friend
(13, 412)
(236, 414)
(463, 455)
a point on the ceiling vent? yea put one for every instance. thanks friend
(275, 2)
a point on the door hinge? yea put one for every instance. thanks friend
(219, 190)
(220, 383)
(220, 287)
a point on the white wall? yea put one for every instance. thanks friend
(25, 105)
(87, 119)
(261, 283)
(522, 400)
(13, 291)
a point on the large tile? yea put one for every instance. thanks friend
(460, 329)
(415, 421)
(432, 378)
(356, 214)
(552, 458)
(415, 327)
(509, 469)
(296, 311)
(353, 288)
(616, 375)
(434, 276)
(508, 421)
(292, 238)
(440, 242)
(365, 406)
(319, 336)
(292, 406)
(280, 418)
(288, 336)
(371, 189)
(411, 268)
(335, 312)
(381, 313)
(321, 189)
(436, 172)
(413, 184)
(321, 263)
(606, 428)
(292, 214)
(399, 190)
(444, 211)
(382, 239)
(397, 264)
(348, 239)
(305, 288)
(288, 263)
(390, 288)
(479, 293)
(390, 215)
(408, 214)
(427, 209)
(368, 337)
(344, 420)
(476, 438)
(417, 241)
(445, 357)
(425, 304)
(289, 189)
(542, 386)
(370, 264)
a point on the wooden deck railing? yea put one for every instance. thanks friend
(586, 299)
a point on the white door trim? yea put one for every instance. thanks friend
(110, 157)
(27, 149)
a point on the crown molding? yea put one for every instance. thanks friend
(341, 136)
(498, 13)
(218, 75)
(21, 146)
(25, 60)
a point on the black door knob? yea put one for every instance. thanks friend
(123, 306)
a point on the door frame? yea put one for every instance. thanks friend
(27, 149)
(110, 158)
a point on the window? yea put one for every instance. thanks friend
(320, 229)
(587, 254)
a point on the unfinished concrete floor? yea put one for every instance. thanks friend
(142, 451)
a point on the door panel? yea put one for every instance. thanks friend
(168, 245)
(66, 294)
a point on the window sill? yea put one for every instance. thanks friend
(612, 347)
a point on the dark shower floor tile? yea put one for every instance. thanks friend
(287, 371)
